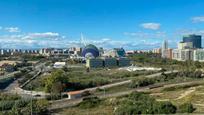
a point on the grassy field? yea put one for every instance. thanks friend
(193, 93)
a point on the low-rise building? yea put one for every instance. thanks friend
(94, 63)
(123, 62)
(74, 94)
(107, 62)
(110, 62)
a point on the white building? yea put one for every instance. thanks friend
(176, 54)
(59, 64)
(183, 54)
(186, 54)
(198, 55)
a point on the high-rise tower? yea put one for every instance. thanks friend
(164, 48)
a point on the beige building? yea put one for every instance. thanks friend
(185, 45)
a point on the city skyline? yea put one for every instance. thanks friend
(132, 24)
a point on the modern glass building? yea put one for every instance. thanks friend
(90, 51)
(195, 39)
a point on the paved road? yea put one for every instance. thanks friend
(64, 103)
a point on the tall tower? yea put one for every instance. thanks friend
(164, 49)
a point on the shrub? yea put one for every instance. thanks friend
(89, 102)
(142, 82)
(166, 108)
(186, 108)
(141, 103)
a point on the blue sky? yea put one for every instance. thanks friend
(132, 24)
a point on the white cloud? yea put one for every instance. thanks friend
(182, 32)
(198, 19)
(33, 40)
(12, 29)
(151, 26)
(146, 35)
(45, 35)
(18, 41)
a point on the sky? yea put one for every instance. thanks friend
(131, 24)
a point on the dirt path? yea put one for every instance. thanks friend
(186, 93)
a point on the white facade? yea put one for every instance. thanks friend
(176, 54)
(183, 54)
(198, 55)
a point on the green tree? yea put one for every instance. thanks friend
(166, 108)
(57, 77)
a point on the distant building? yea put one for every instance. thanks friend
(164, 49)
(123, 62)
(59, 52)
(107, 62)
(156, 51)
(130, 52)
(195, 39)
(46, 51)
(110, 62)
(198, 55)
(186, 54)
(183, 54)
(75, 50)
(185, 45)
(115, 52)
(169, 53)
(90, 51)
(94, 63)
(176, 54)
